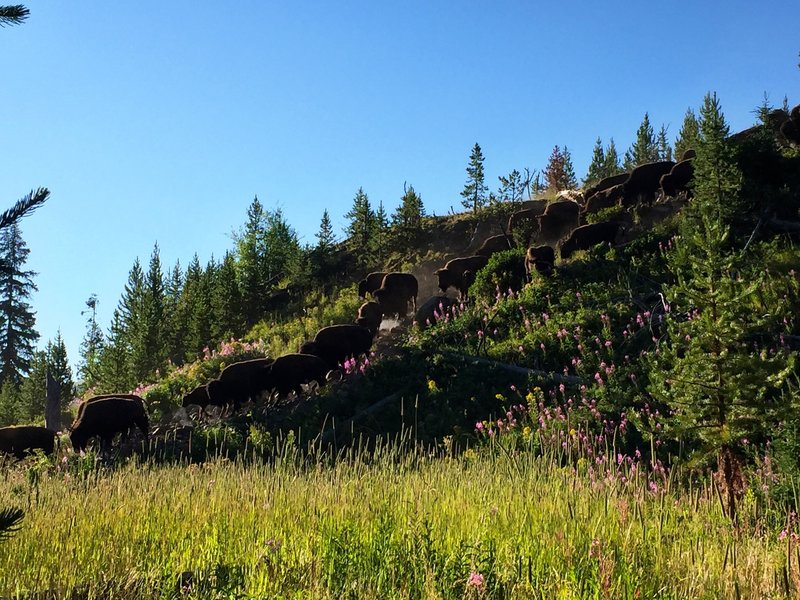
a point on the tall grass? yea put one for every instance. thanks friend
(488, 524)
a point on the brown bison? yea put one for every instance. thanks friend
(678, 179)
(370, 283)
(452, 274)
(336, 343)
(496, 243)
(558, 220)
(604, 199)
(395, 293)
(644, 182)
(604, 184)
(198, 396)
(23, 439)
(432, 310)
(289, 372)
(541, 259)
(690, 153)
(82, 406)
(790, 128)
(586, 236)
(370, 315)
(237, 383)
(524, 223)
(105, 418)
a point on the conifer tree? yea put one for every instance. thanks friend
(687, 136)
(664, 149)
(226, 301)
(33, 389)
(560, 174)
(475, 189)
(361, 228)
(11, 410)
(17, 333)
(596, 167)
(644, 149)
(175, 326)
(195, 306)
(149, 352)
(321, 256)
(721, 388)
(91, 345)
(251, 263)
(326, 239)
(115, 361)
(512, 187)
(407, 219)
(381, 236)
(611, 164)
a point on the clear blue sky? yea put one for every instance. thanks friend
(160, 121)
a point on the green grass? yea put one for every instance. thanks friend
(383, 526)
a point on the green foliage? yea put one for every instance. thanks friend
(505, 271)
(10, 519)
(559, 173)
(595, 172)
(407, 220)
(474, 192)
(361, 228)
(645, 149)
(611, 164)
(688, 134)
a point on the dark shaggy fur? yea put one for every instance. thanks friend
(370, 283)
(644, 182)
(290, 371)
(105, 418)
(541, 259)
(336, 343)
(395, 293)
(452, 274)
(558, 220)
(237, 383)
(433, 309)
(496, 243)
(370, 315)
(23, 439)
(586, 236)
(678, 179)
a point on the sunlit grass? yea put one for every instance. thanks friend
(384, 527)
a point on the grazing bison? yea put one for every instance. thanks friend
(496, 243)
(105, 418)
(23, 439)
(678, 179)
(237, 383)
(452, 274)
(370, 315)
(432, 310)
(525, 222)
(395, 293)
(289, 372)
(198, 396)
(644, 182)
(558, 220)
(586, 236)
(370, 283)
(604, 198)
(604, 184)
(82, 406)
(541, 259)
(336, 343)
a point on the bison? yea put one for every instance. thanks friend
(452, 274)
(525, 222)
(558, 220)
(432, 310)
(496, 243)
(336, 343)
(605, 198)
(237, 383)
(289, 372)
(198, 396)
(395, 293)
(586, 236)
(370, 315)
(105, 418)
(644, 182)
(678, 179)
(604, 184)
(541, 259)
(23, 439)
(370, 283)
(134, 397)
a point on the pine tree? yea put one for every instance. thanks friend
(91, 346)
(475, 189)
(320, 258)
(644, 149)
(361, 228)
(115, 360)
(596, 168)
(407, 218)
(11, 410)
(226, 301)
(611, 164)
(17, 333)
(174, 325)
(721, 388)
(688, 134)
(381, 236)
(281, 249)
(325, 236)
(512, 187)
(33, 389)
(251, 262)
(195, 307)
(149, 352)
(664, 149)
(559, 174)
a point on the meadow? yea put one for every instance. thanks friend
(508, 519)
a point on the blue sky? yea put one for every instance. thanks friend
(160, 121)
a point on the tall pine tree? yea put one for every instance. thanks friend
(17, 321)
(596, 166)
(644, 149)
(688, 134)
(475, 189)
(361, 227)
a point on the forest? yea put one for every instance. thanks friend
(583, 417)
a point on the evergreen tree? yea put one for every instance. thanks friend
(688, 134)
(174, 325)
(11, 411)
(664, 149)
(325, 236)
(644, 149)
(281, 248)
(13, 14)
(721, 388)
(361, 228)
(251, 263)
(381, 243)
(475, 189)
(560, 174)
(320, 258)
(17, 334)
(149, 352)
(407, 219)
(512, 187)
(33, 389)
(195, 307)
(596, 167)
(226, 301)
(91, 346)
(115, 362)
(611, 164)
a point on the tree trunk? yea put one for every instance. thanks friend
(52, 409)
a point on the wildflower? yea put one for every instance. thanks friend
(476, 580)
(432, 386)
(499, 397)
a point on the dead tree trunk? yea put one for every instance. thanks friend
(52, 409)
